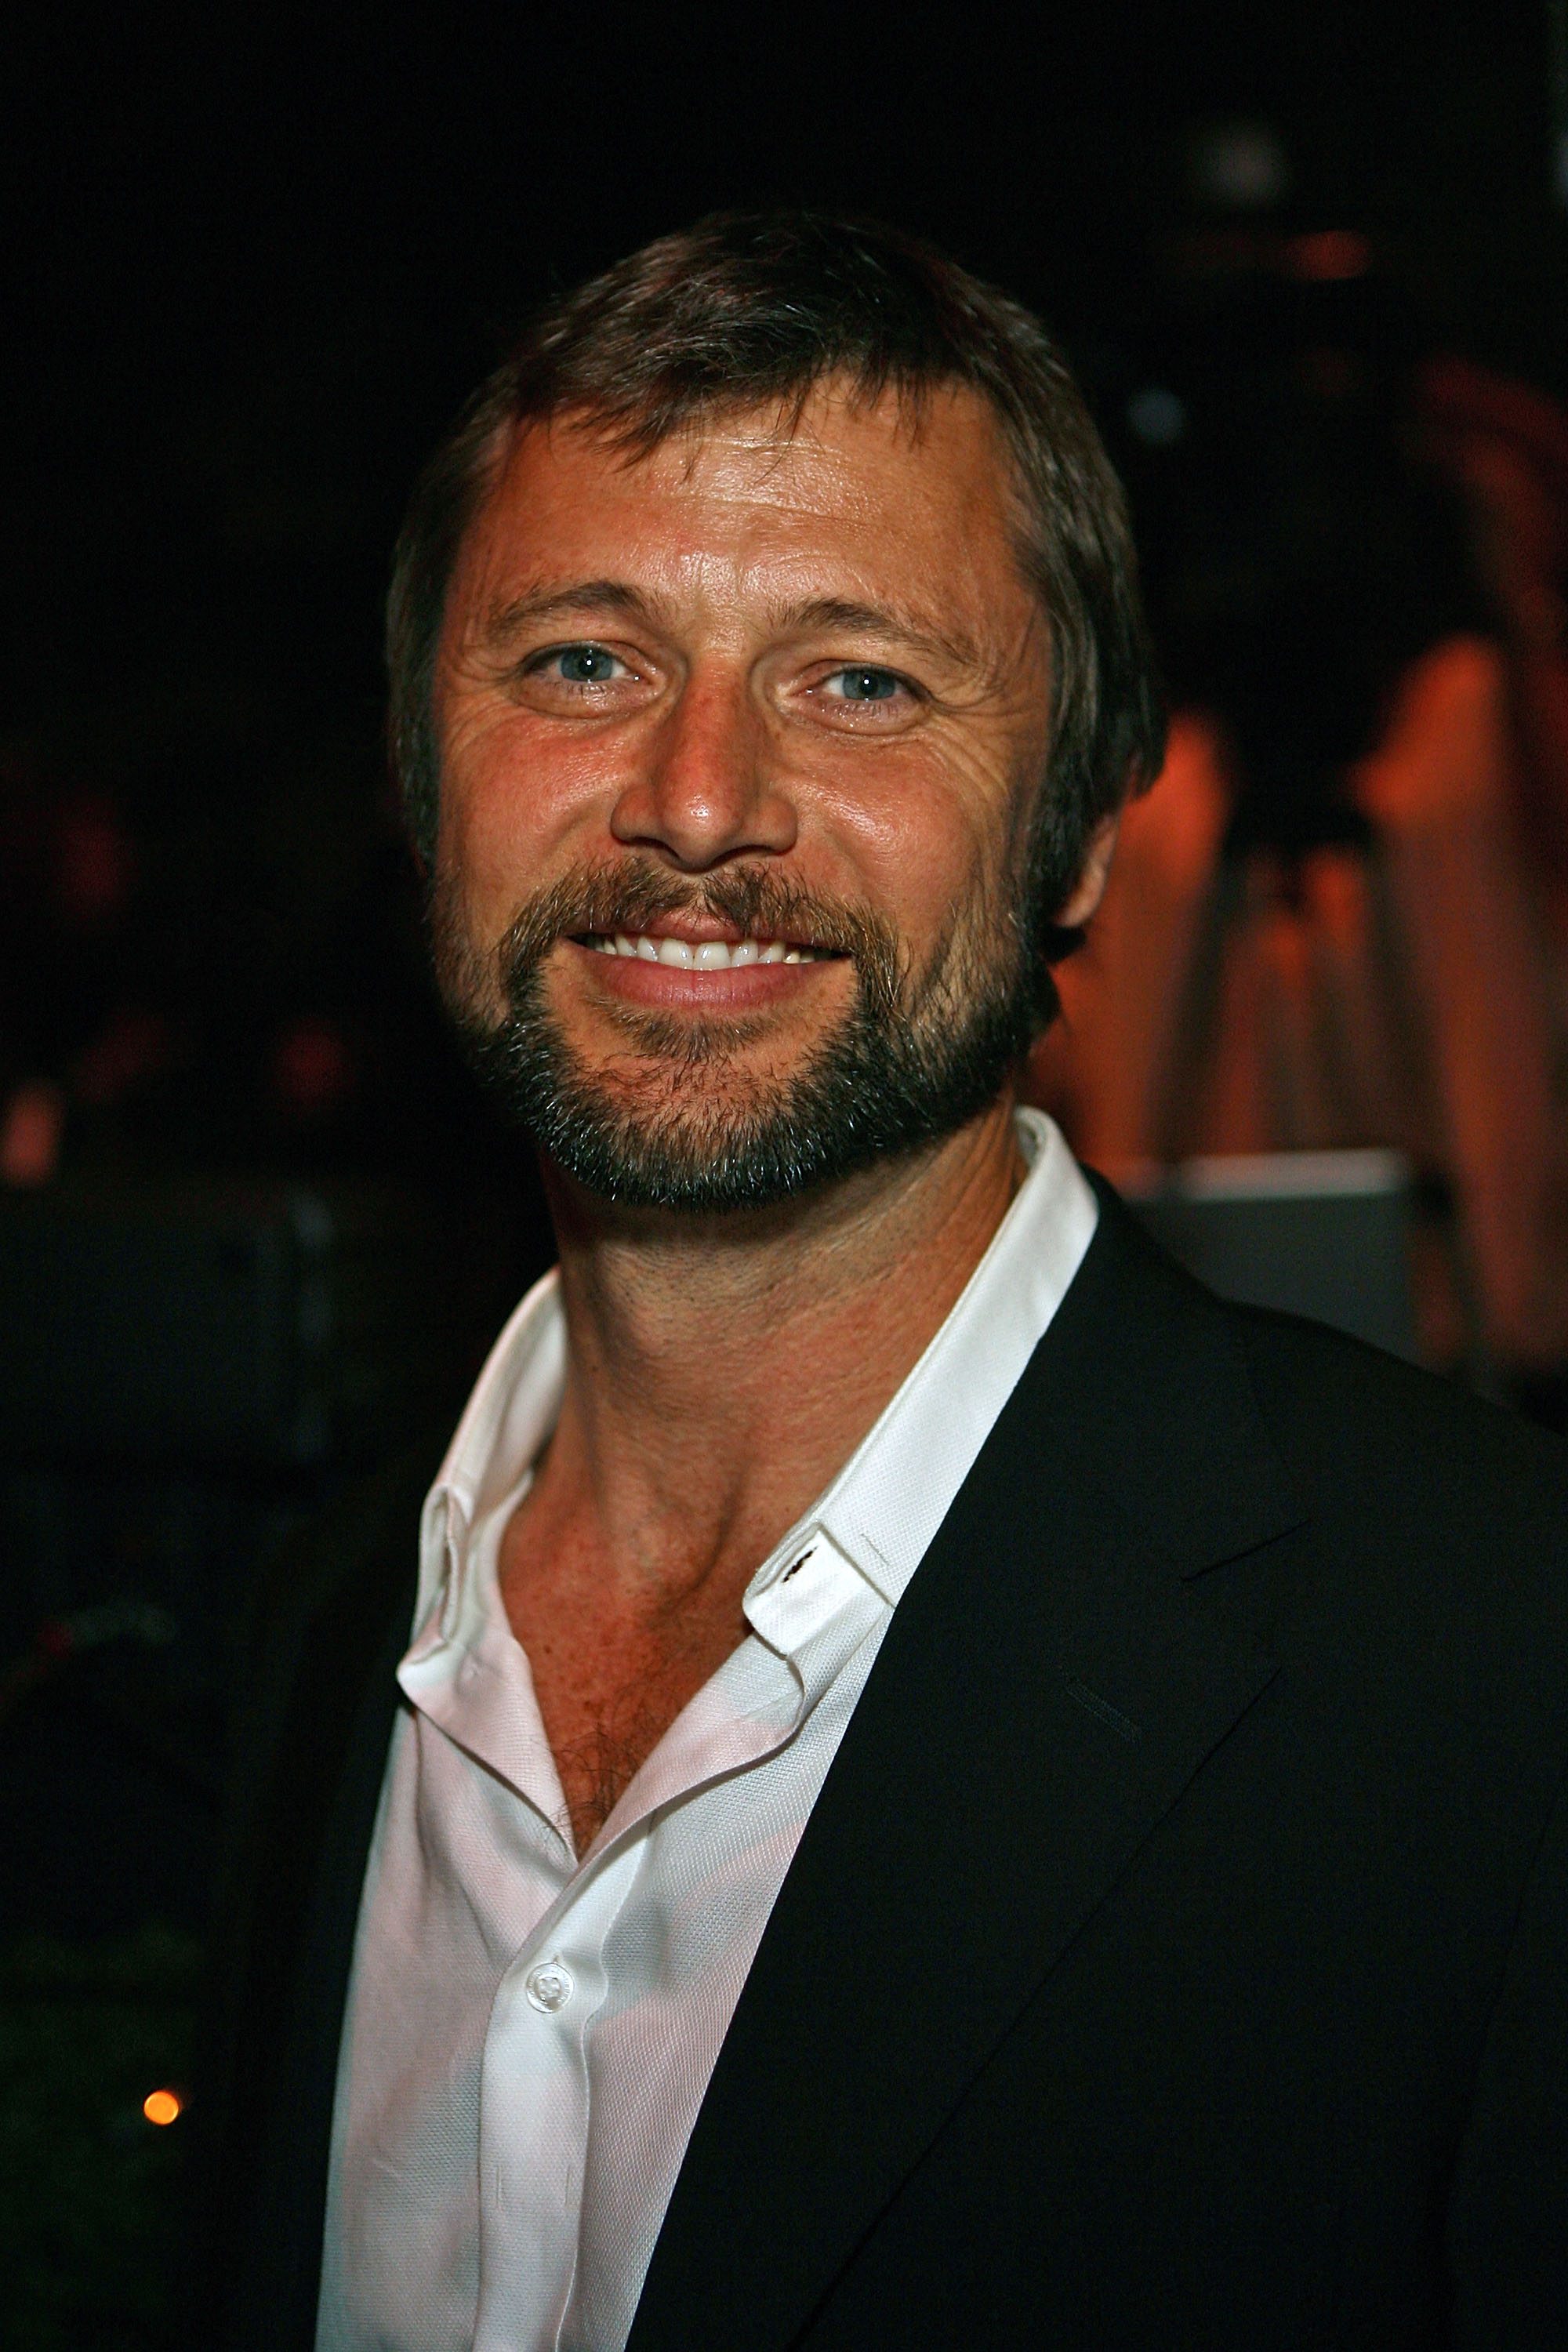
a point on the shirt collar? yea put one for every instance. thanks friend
(887, 1501)
(894, 1492)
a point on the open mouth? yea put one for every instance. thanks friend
(703, 955)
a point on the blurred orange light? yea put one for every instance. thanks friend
(162, 2107)
(1330, 253)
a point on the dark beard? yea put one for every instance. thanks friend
(913, 1061)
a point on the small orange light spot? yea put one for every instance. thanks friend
(162, 2107)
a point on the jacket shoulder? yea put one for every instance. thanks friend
(1415, 1501)
(1359, 1427)
(361, 1528)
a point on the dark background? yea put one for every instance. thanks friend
(254, 264)
(252, 260)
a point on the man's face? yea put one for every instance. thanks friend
(741, 745)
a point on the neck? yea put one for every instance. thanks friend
(722, 1368)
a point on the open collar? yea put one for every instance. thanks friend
(884, 1505)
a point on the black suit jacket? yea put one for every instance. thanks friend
(1178, 1954)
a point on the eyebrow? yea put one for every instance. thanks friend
(507, 620)
(877, 621)
(582, 598)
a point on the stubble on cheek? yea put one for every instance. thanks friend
(469, 982)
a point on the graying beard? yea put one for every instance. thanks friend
(896, 1076)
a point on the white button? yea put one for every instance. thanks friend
(549, 1986)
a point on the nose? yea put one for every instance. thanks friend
(703, 792)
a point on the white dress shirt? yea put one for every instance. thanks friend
(530, 2032)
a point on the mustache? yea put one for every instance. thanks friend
(635, 892)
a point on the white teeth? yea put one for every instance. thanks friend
(705, 955)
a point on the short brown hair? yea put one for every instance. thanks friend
(747, 309)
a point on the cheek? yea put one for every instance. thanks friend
(514, 810)
(918, 840)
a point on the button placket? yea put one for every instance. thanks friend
(535, 2095)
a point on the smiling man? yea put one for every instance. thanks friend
(913, 1779)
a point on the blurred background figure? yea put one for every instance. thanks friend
(1338, 918)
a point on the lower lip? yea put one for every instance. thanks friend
(738, 987)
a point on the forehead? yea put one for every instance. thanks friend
(893, 492)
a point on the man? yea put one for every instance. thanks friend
(946, 1787)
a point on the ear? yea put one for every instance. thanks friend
(1092, 875)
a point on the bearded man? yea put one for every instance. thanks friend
(915, 1780)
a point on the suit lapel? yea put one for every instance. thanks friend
(1051, 1682)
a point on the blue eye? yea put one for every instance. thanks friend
(586, 665)
(868, 684)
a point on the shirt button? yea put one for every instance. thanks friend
(549, 1986)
